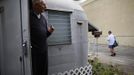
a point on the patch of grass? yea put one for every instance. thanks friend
(105, 69)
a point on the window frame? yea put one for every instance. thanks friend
(70, 13)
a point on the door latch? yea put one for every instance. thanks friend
(25, 48)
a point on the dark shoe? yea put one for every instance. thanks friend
(111, 55)
(114, 54)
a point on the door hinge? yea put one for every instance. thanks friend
(1, 9)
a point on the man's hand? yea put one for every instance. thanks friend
(51, 29)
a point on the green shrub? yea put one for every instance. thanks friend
(104, 69)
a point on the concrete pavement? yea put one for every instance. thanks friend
(124, 57)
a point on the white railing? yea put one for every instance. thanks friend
(87, 70)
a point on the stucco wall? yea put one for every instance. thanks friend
(114, 15)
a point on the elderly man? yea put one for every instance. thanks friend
(39, 33)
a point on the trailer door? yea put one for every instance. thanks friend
(14, 38)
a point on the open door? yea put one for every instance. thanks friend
(27, 68)
(1, 40)
(14, 38)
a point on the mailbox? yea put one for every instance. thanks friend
(97, 33)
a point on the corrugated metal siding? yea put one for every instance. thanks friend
(61, 22)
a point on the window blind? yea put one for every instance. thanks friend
(61, 22)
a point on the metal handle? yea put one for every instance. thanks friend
(25, 48)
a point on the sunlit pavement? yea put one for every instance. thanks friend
(124, 57)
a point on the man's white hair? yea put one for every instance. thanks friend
(37, 1)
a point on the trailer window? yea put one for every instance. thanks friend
(61, 22)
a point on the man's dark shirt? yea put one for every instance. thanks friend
(39, 32)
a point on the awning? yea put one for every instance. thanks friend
(92, 28)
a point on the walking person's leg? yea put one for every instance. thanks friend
(112, 50)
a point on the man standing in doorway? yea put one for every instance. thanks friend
(39, 33)
(111, 40)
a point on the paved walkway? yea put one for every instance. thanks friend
(124, 57)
